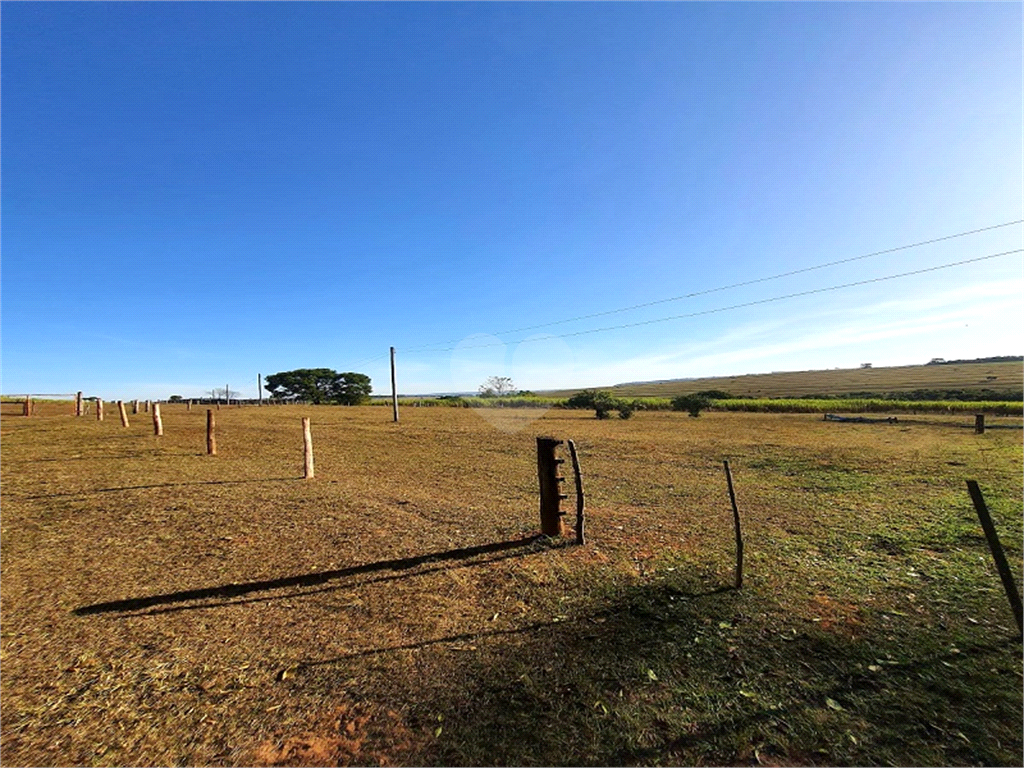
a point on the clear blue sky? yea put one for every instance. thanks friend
(194, 193)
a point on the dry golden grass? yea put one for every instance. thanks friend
(997, 376)
(161, 606)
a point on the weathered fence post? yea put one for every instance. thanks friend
(580, 504)
(189, 406)
(736, 521)
(28, 405)
(394, 387)
(211, 440)
(135, 406)
(1009, 584)
(99, 409)
(979, 423)
(78, 404)
(146, 406)
(158, 424)
(123, 413)
(307, 450)
(550, 490)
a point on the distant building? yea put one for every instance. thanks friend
(937, 361)
(865, 365)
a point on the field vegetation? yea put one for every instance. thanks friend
(1004, 379)
(749, 404)
(165, 607)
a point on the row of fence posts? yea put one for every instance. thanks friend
(211, 425)
(551, 494)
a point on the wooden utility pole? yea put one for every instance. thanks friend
(307, 450)
(1009, 583)
(78, 404)
(736, 522)
(123, 414)
(580, 503)
(99, 409)
(394, 386)
(550, 491)
(158, 424)
(211, 440)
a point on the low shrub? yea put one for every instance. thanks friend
(694, 403)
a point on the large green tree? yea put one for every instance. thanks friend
(319, 385)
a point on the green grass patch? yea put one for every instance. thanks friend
(868, 405)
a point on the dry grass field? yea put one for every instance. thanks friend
(165, 607)
(1005, 376)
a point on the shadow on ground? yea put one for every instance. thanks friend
(513, 548)
(689, 676)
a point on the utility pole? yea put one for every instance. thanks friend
(394, 386)
(259, 386)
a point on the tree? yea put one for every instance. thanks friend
(223, 394)
(693, 403)
(319, 385)
(602, 402)
(497, 386)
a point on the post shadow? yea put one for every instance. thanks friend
(304, 580)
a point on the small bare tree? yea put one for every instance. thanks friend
(223, 393)
(497, 386)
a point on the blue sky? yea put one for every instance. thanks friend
(194, 193)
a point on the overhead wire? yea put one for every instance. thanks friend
(694, 294)
(737, 306)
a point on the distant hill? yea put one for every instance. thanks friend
(1001, 359)
(1004, 375)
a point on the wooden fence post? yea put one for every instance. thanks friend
(394, 387)
(99, 409)
(550, 490)
(78, 404)
(736, 521)
(158, 424)
(979, 423)
(307, 450)
(28, 405)
(189, 407)
(211, 440)
(259, 388)
(580, 508)
(135, 406)
(1009, 584)
(123, 413)
(145, 406)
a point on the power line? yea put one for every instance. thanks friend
(426, 347)
(369, 360)
(744, 304)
